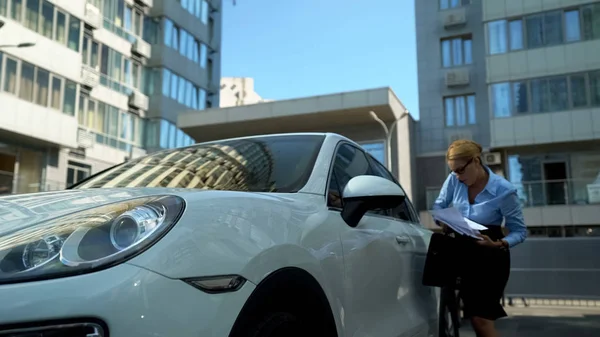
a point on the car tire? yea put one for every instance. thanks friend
(279, 324)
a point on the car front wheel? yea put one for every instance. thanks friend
(279, 324)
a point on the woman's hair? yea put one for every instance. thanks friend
(463, 149)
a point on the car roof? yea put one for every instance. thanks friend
(327, 135)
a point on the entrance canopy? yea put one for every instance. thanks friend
(325, 113)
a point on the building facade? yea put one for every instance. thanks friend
(102, 83)
(236, 91)
(523, 79)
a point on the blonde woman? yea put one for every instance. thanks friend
(486, 198)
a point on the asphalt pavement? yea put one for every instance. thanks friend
(546, 322)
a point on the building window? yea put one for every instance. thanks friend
(46, 19)
(460, 110)
(457, 51)
(540, 95)
(61, 27)
(32, 14)
(447, 4)
(205, 12)
(516, 34)
(544, 29)
(76, 172)
(182, 90)
(55, 92)
(42, 80)
(74, 33)
(26, 87)
(185, 43)
(497, 37)
(591, 21)
(16, 11)
(10, 76)
(164, 134)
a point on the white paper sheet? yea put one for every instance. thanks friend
(454, 219)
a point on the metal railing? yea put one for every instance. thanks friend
(546, 192)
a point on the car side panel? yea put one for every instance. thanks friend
(252, 235)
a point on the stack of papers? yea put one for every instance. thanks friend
(454, 219)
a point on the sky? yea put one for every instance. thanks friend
(299, 48)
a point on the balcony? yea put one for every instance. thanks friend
(454, 18)
(89, 76)
(457, 77)
(92, 15)
(546, 193)
(141, 48)
(139, 100)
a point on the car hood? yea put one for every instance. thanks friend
(23, 210)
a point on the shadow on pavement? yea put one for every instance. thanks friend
(538, 322)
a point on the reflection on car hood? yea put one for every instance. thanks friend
(19, 211)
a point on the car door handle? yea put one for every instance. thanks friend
(402, 239)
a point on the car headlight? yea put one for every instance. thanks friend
(82, 242)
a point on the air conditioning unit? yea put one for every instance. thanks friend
(492, 158)
(92, 16)
(85, 139)
(89, 76)
(457, 77)
(141, 48)
(139, 100)
(455, 18)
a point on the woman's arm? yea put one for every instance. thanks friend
(513, 219)
(446, 195)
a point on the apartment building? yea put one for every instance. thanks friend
(236, 91)
(523, 79)
(87, 84)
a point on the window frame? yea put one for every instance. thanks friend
(370, 160)
(465, 96)
(463, 38)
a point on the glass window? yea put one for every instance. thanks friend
(85, 51)
(26, 85)
(449, 106)
(91, 112)
(194, 98)
(32, 14)
(190, 47)
(56, 92)
(42, 84)
(377, 150)
(202, 100)
(166, 82)
(461, 113)
(82, 110)
(164, 134)
(128, 22)
(174, 86)
(127, 72)
(183, 38)
(46, 19)
(196, 52)
(539, 98)
(591, 21)
(535, 31)
(181, 91)
(446, 53)
(175, 38)
(203, 55)
(168, 32)
(16, 11)
(10, 76)
(112, 121)
(578, 91)
(520, 101)
(94, 56)
(137, 28)
(100, 118)
(197, 8)
(471, 111)
(126, 126)
(516, 34)
(457, 52)
(205, 13)
(468, 51)
(497, 37)
(572, 26)
(595, 88)
(61, 27)
(104, 60)
(559, 95)
(70, 98)
(553, 28)
(188, 93)
(501, 99)
(74, 33)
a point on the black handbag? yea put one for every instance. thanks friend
(443, 262)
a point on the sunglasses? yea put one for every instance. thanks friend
(462, 169)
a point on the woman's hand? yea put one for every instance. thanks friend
(487, 242)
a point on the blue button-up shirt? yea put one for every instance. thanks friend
(497, 202)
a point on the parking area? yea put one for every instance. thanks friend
(539, 321)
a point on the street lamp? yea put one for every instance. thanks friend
(388, 135)
(20, 45)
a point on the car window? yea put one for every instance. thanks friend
(349, 162)
(256, 164)
(403, 211)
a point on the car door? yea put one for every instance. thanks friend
(376, 259)
(423, 299)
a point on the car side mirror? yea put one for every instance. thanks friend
(365, 193)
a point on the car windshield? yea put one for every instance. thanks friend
(258, 164)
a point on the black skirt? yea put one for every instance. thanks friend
(484, 277)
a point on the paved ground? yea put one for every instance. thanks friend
(547, 322)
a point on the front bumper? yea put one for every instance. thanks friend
(130, 301)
